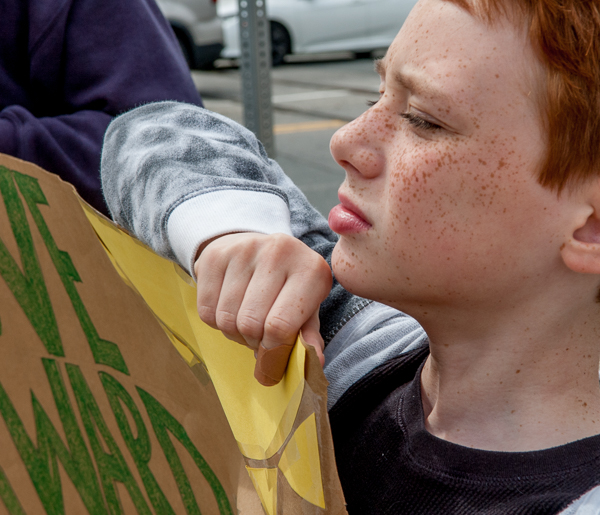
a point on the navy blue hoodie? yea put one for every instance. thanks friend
(67, 67)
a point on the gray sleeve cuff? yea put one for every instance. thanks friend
(588, 504)
(373, 336)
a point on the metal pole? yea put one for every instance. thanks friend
(255, 42)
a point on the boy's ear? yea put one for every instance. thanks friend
(581, 253)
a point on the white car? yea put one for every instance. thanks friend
(313, 26)
(198, 29)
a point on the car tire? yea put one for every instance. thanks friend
(281, 43)
(363, 55)
(185, 46)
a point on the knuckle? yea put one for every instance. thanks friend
(278, 328)
(207, 314)
(246, 254)
(245, 251)
(226, 322)
(282, 240)
(250, 326)
(280, 244)
(210, 258)
(208, 273)
(316, 273)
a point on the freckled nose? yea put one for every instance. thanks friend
(357, 148)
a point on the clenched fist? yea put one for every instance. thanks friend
(261, 291)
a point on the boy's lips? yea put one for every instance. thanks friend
(346, 218)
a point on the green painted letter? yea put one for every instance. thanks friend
(27, 286)
(104, 352)
(138, 447)
(41, 461)
(112, 465)
(164, 423)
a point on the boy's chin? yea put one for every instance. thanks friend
(353, 275)
(373, 283)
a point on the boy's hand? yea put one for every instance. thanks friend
(260, 291)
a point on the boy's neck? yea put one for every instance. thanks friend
(522, 388)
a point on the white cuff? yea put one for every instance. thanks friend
(221, 212)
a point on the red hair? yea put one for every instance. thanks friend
(566, 36)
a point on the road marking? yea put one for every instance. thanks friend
(290, 128)
(310, 95)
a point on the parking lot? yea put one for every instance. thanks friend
(311, 100)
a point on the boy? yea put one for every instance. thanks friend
(470, 203)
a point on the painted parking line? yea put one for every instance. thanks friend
(310, 95)
(290, 128)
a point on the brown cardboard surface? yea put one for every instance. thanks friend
(99, 413)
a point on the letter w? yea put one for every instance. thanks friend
(41, 461)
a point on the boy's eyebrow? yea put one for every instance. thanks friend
(412, 84)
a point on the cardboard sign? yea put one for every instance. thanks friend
(115, 398)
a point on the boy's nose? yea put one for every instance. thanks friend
(358, 146)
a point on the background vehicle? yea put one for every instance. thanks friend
(198, 29)
(313, 26)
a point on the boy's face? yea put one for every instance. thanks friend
(442, 170)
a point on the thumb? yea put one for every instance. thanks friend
(271, 363)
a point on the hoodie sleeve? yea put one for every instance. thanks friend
(72, 66)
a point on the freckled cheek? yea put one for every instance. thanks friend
(422, 185)
(441, 204)
(357, 267)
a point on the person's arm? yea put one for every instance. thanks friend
(176, 176)
(261, 289)
(84, 63)
(67, 145)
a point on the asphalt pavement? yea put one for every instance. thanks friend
(312, 98)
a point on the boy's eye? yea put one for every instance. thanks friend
(420, 123)
(413, 119)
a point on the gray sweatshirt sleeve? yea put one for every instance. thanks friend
(588, 504)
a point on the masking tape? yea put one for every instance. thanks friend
(265, 484)
(284, 428)
(301, 465)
